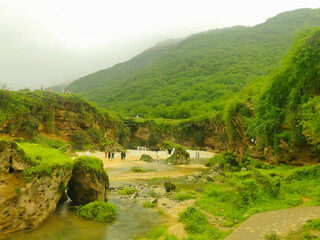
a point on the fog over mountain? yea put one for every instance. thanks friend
(53, 41)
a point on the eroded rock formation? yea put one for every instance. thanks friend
(25, 205)
(89, 181)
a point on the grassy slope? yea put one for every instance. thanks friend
(43, 161)
(185, 81)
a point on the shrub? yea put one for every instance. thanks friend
(149, 204)
(271, 236)
(80, 139)
(99, 211)
(225, 159)
(251, 163)
(127, 191)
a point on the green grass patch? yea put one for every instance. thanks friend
(99, 211)
(43, 161)
(183, 196)
(241, 194)
(127, 191)
(197, 225)
(149, 204)
(160, 232)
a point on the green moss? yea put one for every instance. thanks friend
(137, 169)
(99, 211)
(43, 161)
(92, 165)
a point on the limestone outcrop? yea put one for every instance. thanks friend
(89, 182)
(26, 204)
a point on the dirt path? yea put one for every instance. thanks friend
(280, 222)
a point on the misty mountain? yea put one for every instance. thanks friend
(103, 78)
(184, 79)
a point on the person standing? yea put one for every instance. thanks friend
(158, 160)
(109, 154)
(112, 155)
(106, 154)
(88, 153)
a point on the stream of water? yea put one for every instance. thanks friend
(133, 220)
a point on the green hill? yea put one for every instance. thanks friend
(186, 79)
(103, 78)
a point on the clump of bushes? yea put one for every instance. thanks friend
(99, 211)
(149, 204)
(196, 223)
(81, 139)
(127, 191)
(226, 160)
(250, 163)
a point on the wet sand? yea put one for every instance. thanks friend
(119, 170)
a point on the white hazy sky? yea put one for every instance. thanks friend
(56, 41)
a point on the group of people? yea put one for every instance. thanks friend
(198, 155)
(109, 155)
(123, 155)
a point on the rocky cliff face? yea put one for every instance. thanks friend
(25, 205)
(214, 136)
(26, 113)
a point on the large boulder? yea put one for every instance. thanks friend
(146, 158)
(30, 186)
(89, 182)
(180, 156)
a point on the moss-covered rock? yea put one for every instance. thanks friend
(99, 211)
(180, 156)
(138, 169)
(146, 158)
(89, 181)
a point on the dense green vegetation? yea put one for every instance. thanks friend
(99, 211)
(23, 112)
(101, 79)
(287, 110)
(237, 195)
(310, 231)
(43, 161)
(189, 79)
